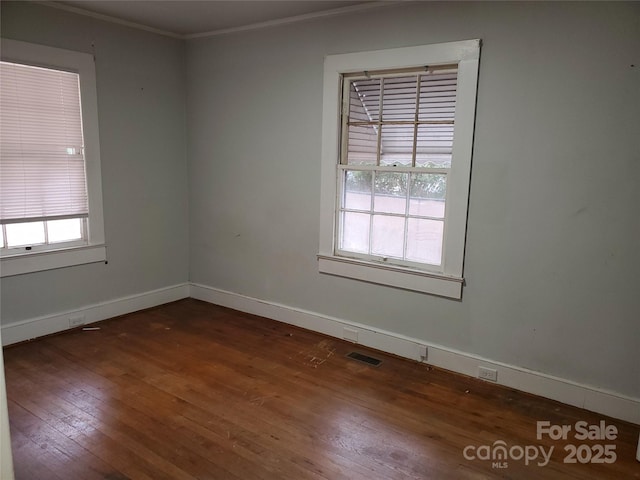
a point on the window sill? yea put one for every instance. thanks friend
(49, 260)
(399, 277)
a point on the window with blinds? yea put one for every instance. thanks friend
(397, 143)
(50, 177)
(43, 187)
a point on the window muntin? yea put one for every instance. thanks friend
(392, 216)
(397, 127)
(417, 121)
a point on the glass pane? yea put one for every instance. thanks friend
(1, 239)
(357, 190)
(23, 234)
(438, 96)
(355, 232)
(390, 193)
(424, 241)
(396, 145)
(388, 236)
(428, 191)
(64, 230)
(399, 99)
(364, 100)
(362, 145)
(434, 146)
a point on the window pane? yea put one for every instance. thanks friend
(428, 193)
(357, 190)
(362, 146)
(64, 230)
(23, 234)
(396, 145)
(434, 146)
(1, 239)
(364, 100)
(399, 99)
(438, 96)
(424, 240)
(388, 236)
(390, 192)
(355, 232)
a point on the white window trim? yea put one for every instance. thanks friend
(448, 282)
(95, 249)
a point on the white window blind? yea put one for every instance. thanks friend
(417, 122)
(42, 165)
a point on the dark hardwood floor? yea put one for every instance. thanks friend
(190, 390)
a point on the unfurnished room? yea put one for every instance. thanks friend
(319, 240)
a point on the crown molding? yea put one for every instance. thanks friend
(243, 28)
(110, 19)
(294, 19)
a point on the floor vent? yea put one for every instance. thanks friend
(365, 359)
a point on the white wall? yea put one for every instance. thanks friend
(141, 108)
(552, 252)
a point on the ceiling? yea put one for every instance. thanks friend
(191, 18)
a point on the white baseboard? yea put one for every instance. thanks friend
(37, 327)
(566, 391)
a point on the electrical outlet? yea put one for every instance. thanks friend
(350, 334)
(488, 374)
(422, 352)
(76, 321)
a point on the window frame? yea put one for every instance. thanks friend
(22, 260)
(445, 280)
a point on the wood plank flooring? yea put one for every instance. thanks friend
(189, 390)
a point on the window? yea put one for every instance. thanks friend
(50, 192)
(397, 139)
